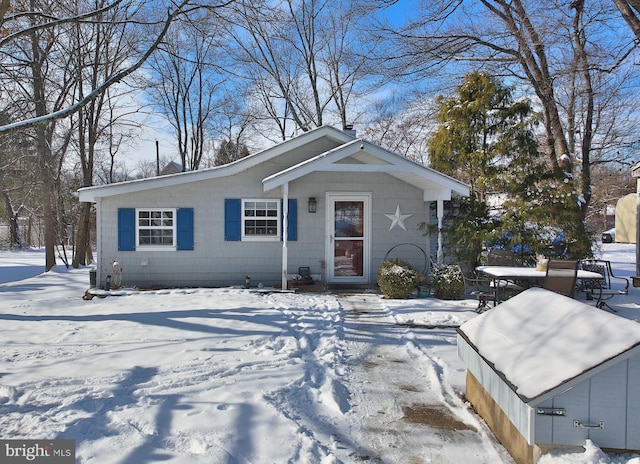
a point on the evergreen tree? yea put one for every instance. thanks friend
(230, 151)
(481, 130)
(486, 139)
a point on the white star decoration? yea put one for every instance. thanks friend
(398, 218)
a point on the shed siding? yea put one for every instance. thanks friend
(575, 402)
(611, 396)
(510, 403)
(608, 397)
(633, 404)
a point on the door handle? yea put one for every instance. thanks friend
(577, 424)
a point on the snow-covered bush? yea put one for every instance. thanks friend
(448, 282)
(397, 278)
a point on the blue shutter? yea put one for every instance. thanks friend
(184, 229)
(292, 220)
(232, 219)
(126, 229)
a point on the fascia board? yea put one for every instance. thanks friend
(91, 194)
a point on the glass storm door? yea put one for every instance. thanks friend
(348, 254)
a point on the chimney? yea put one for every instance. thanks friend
(349, 130)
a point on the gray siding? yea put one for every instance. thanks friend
(215, 262)
(611, 397)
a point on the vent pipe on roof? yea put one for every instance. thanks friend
(349, 130)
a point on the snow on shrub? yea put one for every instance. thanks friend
(448, 282)
(397, 278)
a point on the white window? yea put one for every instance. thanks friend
(156, 228)
(261, 219)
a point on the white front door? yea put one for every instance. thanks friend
(348, 237)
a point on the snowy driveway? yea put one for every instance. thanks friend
(407, 398)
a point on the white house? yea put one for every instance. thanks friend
(324, 200)
(547, 371)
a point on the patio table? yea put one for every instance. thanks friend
(528, 275)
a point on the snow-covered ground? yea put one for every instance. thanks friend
(240, 376)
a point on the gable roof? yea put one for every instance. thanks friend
(362, 156)
(171, 168)
(542, 343)
(350, 155)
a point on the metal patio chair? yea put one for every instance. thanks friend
(605, 288)
(561, 276)
(479, 288)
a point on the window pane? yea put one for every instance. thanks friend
(348, 258)
(155, 227)
(349, 218)
(261, 218)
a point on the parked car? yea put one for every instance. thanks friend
(609, 236)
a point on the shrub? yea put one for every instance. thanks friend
(448, 283)
(397, 278)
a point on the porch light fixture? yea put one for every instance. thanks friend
(313, 205)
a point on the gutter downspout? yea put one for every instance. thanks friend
(285, 224)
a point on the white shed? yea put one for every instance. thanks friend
(547, 371)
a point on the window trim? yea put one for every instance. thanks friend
(155, 247)
(260, 238)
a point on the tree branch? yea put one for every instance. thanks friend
(116, 78)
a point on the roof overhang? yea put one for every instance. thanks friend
(360, 156)
(91, 194)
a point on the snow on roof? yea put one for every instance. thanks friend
(538, 340)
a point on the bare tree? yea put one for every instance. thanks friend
(43, 20)
(630, 10)
(36, 33)
(402, 126)
(562, 53)
(302, 60)
(99, 48)
(18, 182)
(187, 84)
